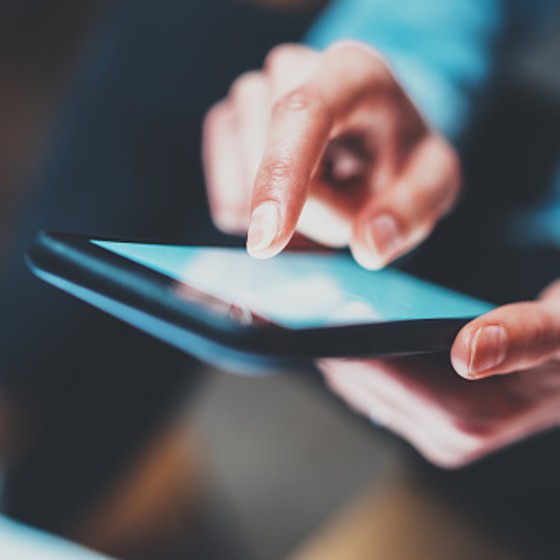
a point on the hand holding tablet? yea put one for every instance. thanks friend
(252, 316)
(348, 160)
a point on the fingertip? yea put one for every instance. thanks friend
(377, 241)
(479, 351)
(383, 236)
(461, 350)
(366, 258)
(460, 357)
(264, 228)
(265, 253)
(262, 255)
(488, 350)
(267, 235)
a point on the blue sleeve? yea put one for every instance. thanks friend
(442, 51)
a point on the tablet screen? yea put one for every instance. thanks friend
(299, 290)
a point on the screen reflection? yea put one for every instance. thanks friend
(297, 290)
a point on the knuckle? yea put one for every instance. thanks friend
(277, 171)
(356, 56)
(286, 53)
(215, 122)
(300, 100)
(247, 85)
(278, 55)
(354, 49)
(215, 113)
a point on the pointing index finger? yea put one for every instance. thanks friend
(298, 134)
(300, 128)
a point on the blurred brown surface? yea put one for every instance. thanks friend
(151, 509)
(400, 520)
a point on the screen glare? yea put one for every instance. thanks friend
(301, 290)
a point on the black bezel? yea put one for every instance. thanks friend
(76, 260)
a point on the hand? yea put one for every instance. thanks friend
(450, 420)
(328, 144)
(511, 338)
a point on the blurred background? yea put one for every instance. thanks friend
(113, 441)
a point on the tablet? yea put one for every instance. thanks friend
(224, 307)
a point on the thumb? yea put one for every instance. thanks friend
(510, 338)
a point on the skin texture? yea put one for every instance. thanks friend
(448, 419)
(329, 145)
(511, 338)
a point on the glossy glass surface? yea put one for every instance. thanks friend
(300, 290)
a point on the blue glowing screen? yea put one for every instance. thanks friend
(301, 290)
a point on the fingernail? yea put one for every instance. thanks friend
(263, 229)
(488, 349)
(383, 237)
